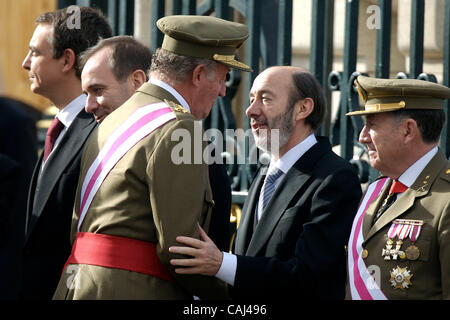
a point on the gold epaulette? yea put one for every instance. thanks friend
(176, 106)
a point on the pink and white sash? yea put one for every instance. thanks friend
(139, 125)
(362, 284)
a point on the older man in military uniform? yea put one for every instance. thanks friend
(400, 242)
(133, 198)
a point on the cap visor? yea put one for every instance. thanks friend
(363, 112)
(235, 64)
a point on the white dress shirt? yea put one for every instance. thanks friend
(227, 271)
(412, 173)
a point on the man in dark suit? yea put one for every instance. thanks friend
(297, 217)
(18, 156)
(53, 71)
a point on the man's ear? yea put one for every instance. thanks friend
(137, 78)
(303, 108)
(69, 60)
(410, 130)
(197, 74)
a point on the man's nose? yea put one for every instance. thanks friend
(26, 62)
(253, 110)
(91, 104)
(364, 136)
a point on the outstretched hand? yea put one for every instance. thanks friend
(207, 258)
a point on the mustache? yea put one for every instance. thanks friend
(259, 121)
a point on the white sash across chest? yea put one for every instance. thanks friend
(137, 126)
(362, 284)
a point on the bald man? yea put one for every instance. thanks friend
(297, 217)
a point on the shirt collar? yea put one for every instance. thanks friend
(412, 173)
(289, 158)
(172, 91)
(68, 114)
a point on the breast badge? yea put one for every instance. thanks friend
(400, 278)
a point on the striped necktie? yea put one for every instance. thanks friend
(267, 190)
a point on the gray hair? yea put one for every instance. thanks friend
(174, 68)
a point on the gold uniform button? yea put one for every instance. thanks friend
(364, 254)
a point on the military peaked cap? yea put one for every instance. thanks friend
(204, 37)
(383, 95)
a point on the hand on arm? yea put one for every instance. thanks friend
(207, 258)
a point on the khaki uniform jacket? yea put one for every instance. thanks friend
(428, 199)
(145, 197)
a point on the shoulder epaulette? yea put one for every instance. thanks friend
(176, 106)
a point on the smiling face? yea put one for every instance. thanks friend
(382, 136)
(44, 71)
(104, 92)
(269, 108)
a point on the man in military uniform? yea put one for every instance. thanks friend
(399, 247)
(133, 199)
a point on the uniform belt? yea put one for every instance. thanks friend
(118, 253)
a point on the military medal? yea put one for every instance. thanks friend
(400, 278)
(413, 252)
(400, 231)
(386, 252)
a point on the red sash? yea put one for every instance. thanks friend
(118, 253)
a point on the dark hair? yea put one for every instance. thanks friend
(127, 56)
(305, 85)
(429, 122)
(93, 26)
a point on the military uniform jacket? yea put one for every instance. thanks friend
(146, 197)
(427, 200)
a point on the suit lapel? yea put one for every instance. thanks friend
(289, 187)
(245, 228)
(275, 209)
(420, 188)
(69, 147)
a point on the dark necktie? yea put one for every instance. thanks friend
(52, 134)
(396, 188)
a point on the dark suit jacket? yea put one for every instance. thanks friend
(18, 148)
(219, 227)
(297, 248)
(49, 213)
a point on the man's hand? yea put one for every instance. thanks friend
(207, 258)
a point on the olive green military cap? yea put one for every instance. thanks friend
(204, 37)
(383, 95)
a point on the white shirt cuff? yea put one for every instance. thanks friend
(227, 271)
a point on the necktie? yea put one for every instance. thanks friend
(52, 134)
(267, 190)
(396, 188)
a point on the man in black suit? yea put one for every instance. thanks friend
(297, 217)
(18, 155)
(58, 39)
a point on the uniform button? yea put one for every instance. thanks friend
(364, 254)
